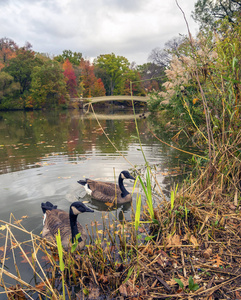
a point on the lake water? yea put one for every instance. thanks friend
(43, 154)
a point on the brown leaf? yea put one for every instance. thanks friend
(17, 293)
(94, 292)
(24, 257)
(103, 278)
(233, 207)
(24, 217)
(174, 241)
(18, 222)
(163, 259)
(194, 241)
(123, 290)
(109, 204)
(41, 286)
(161, 262)
(217, 261)
(207, 253)
(171, 282)
(141, 230)
(127, 289)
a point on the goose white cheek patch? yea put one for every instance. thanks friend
(44, 218)
(88, 191)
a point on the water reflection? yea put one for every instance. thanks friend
(43, 154)
(27, 137)
(113, 116)
(120, 210)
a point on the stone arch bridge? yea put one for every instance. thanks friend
(83, 102)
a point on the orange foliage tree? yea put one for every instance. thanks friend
(90, 85)
(70, 78)
(8, 50)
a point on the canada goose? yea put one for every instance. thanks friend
(55, 219)
(108, 192)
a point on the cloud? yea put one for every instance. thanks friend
(131, 28)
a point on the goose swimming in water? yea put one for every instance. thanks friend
(108, 192)
(55, 219)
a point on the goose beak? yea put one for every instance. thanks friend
(131, 177)
(87, 209)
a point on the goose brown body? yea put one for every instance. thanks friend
(57, 219)
(108, 192)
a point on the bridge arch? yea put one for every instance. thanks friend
(88, 101)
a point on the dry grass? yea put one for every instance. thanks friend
(192, 252)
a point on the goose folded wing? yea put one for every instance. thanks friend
(104, 197)
(103, 187)
(58, 219)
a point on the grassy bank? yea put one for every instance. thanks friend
(188, 248)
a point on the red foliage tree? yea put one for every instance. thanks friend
(8, 49)
(70, 78)
(91, 86)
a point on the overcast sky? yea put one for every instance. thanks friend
(131, 28)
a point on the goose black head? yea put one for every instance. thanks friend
(126, 175)
(79, 207)
(47, 206)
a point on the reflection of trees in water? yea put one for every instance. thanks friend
(27, 137)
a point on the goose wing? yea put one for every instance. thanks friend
(104, 191)
(56, 219)
(98, 195)
(103, 187)
(59, 219)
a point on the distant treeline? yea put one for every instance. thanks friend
(30, 80)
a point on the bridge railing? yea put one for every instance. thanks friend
(87, 101)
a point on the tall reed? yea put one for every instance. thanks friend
(61, 261)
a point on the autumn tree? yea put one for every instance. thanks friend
(8, 91)
(131, 83)
(21, 66)
(48, 86)
(73, 57)
(8, 50)
(70, 78)
(89, 84)
(110, 69)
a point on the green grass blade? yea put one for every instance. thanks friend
(173, 195)
(148, 192)
(60, 251)
(76, 242)
(138, 212)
